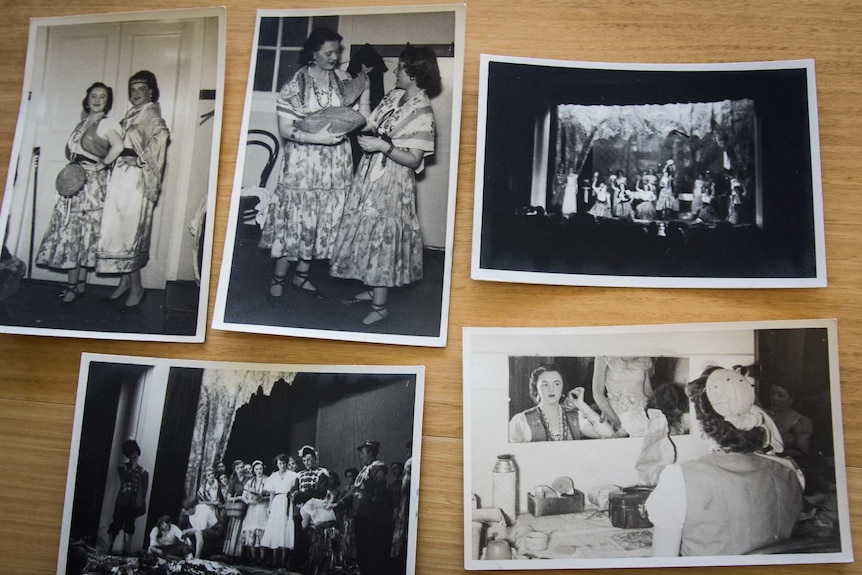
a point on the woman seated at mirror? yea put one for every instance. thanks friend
(734, 499)
(556, 417)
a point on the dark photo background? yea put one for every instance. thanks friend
(521, 95)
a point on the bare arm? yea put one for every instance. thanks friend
(666, 541)
(592, 424)
(289, 131)
(116, 148)
(600, 392)
(409, 157)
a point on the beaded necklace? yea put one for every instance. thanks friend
(563, 434)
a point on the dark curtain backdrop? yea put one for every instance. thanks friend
(97, 432)
(175, 438)
(333, 412)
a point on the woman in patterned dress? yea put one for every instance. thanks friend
(73, 232)
(254, 522)
(316, 170)
(379, 241)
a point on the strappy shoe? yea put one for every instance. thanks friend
(362, 297)
(300, 287)
(377, 314)
(276, 285)
(75, 290)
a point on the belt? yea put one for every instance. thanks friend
(128, 152)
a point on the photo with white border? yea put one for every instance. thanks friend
(106, 222)
(648, 175)
(217, 468)
(327, 238)
(647, 499)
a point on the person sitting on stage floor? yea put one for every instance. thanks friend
(167, 539)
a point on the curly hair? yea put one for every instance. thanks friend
(534, 378)
(671, 400)
(715, 426)
(109, 102)
(315, 41)
(420, 63)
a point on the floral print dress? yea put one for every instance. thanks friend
(73, 231)
(379, 241)
(301, 217)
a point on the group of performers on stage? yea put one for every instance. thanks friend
(656, 197)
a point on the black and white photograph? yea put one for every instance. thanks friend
(341, 222)
(210, 468)
(106, 219)
(718, 444)
(648, 175)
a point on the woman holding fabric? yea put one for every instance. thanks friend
(73, 232)
(556, 417)
(735, 499)
(379, 241)
(316, 170)
(133, 190)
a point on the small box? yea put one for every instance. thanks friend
(541, 506)
(627, 509)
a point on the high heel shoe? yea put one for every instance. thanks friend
(127, 309)
(115, 296)
(300, 287)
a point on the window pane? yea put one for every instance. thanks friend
(294, 31)
(263, 71)
(287, 66)
(268, 32)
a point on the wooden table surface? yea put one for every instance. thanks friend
(39, 374)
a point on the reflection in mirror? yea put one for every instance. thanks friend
(569, 398)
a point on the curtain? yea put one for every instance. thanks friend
(730, 122)
(222, 393)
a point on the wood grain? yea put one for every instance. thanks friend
(39, 375)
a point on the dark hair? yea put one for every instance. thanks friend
(190, 502)
(374, 449)
(130, 446)
(150, 79)
(108, 105)
(671, 400)
(352, 470)
(280, 457)
(420, 63)
(715, 426)
(163, 519)
(534, 378)
(316, 40)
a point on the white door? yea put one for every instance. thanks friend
(76, 57)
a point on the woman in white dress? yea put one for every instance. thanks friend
(279, 534)
(570, 196)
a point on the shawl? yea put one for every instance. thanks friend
(148, 135)
(407, 124)
(295, 100)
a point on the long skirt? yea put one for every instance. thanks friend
(379, 241)
(127, 221)
(253, 524)
(327, 554)
(279, 530)
(73, 231)
(301, 218)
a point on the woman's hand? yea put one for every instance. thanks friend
(325, 137)
(576, 399)
(373, 144)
